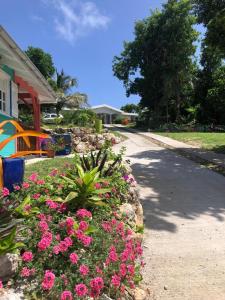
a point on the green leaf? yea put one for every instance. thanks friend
(91, 229)
(71, 196)
(80, 171)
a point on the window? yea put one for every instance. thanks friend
(2, 101)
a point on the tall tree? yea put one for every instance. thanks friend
(130, 108)
(211, 13)
(158, 64)
(42, 60)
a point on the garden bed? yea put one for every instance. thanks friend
(77, 232)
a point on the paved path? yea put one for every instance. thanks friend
(184, 208)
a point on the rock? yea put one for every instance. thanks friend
(81, 147)
(9, 264)
(139, 219)
(129, 211)
(11, 295)
(92, 138)
(165, 287)
(140, 294)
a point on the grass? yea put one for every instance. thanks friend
(46, 166)
(214, 141)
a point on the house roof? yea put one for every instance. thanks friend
(15, 58)
(114, 109)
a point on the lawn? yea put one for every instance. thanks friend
(46, 166)
(207, 140)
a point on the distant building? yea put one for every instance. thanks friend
(20, 83)
(108, 114)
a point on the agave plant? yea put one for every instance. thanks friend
(83, 189)
(99, 160)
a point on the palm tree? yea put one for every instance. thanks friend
(65, 82)
(62, 86)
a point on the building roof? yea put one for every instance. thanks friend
(15, 58)
(114, 109)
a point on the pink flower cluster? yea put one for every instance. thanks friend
(5, 192)
(45, 241)
(48, 281)
(27, 256)
(83, 213)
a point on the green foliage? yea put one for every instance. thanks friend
(80, 117)
(98, 125)
(100, 160)
(130, 108)
(42, 60)
(158, 64)
(83, 191)
(8, 230)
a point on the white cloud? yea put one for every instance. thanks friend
(77, 18)
(36, 18)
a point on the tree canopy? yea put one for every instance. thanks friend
(158, 64)
(42, 60)
(130, 108)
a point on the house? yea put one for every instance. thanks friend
(20, 83)
(108, 114)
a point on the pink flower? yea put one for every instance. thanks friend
(1, 285)
(25, 272)
(63, 246)
(16, 187)
(5, 192)
(115, 281)
(83, 213)
(98, 185)
(56, 250)
(69, 222)
(36, 196)
(97, 283)
(53, 172)
(86, 240)
(45, 242)
(98, 270)
(106, 226)
(83, 226)
(81, 290)
(48, 281)
(131, 269)
(113, 256)
(74, 258)
(62, 207)
(27, 256)
(51, 204)
(66, 295)
(43, 226)
(68, 241)
(84, 270)
(33, 177)
(123, 270)
(40, 182)
(107, 195)
(41, 217)
(25, 185)
(125, 255)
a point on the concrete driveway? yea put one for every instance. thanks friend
(184, 208)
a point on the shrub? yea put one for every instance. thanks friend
(70, 252)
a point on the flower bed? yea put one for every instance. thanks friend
(75, 242)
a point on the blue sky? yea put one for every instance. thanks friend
(82, 37)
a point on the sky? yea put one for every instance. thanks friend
(82, 36)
